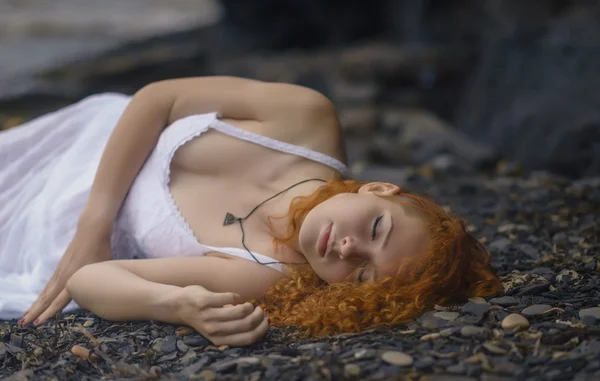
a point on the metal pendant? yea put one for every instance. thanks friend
(229, 219)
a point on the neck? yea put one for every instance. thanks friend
(280, 206)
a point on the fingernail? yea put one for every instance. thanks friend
(20, 322)
(36, 321)
(234, 304)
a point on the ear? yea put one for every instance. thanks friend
(380, 189)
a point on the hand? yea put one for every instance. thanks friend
(217, 318)
(84, 249)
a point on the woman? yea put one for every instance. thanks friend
(213, 194)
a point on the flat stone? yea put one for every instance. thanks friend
(447, 332)
(446, 315)
(313, 346)
(397, 358)
(474, 331)
(181, 346)
(364, 354)
(430, 336)
(456, 368)
(505, 301)
(593, 312)
(492, 348)
(536, 309)
(477, 309)
(513, 321)
(352, 370)
(169, 345)
(195, 340)
(423, 363)
(477, 299)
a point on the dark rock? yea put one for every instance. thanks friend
(561, 116)
(505, 301)
(195, 340)
(424, 363)
(500, 245)
(477, 309)
(262, 24)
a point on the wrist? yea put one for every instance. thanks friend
(169, 304)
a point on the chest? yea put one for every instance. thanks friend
(215, 174)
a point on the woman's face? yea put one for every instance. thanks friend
(350, 231)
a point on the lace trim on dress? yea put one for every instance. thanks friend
(167, 180)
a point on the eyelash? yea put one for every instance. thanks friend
(377, 220)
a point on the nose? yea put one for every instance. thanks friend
(350, 247)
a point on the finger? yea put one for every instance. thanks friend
(230, 327)
(244, 338)
(46, 297)
(55, 307)
(229, 313)
(42, 302)
(217, 299)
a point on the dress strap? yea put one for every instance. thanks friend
(307, 153)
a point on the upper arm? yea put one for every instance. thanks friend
(239, 98)
(249, 280)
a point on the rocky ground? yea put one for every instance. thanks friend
(544, 235)
(398, 104)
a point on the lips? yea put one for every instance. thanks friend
(323, 241)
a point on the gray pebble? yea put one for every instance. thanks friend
(477, 309)
(313, 346)
(474, 331)
(351, 370)
(170, 344)
(456, 369)
(513, 321)
(181, 346)
(593, 312)
(423, 363)
(446, 315)
(505, 301)
(195, 340)
(535, 309)
(397, 358)
(500, 245)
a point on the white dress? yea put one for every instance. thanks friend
(47, 167)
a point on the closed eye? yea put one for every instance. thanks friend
(377, 220)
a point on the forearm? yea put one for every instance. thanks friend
(130, 144)
(114, 293)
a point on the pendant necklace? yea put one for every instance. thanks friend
(230, 219)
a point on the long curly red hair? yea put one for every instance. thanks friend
(455, 266)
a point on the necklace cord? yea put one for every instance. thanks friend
(252, 211)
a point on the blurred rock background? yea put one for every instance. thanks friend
(438, 87)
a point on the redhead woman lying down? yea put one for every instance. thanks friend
(223, 204)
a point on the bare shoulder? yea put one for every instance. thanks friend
(304, 117)
(216, 273)
(283, 111)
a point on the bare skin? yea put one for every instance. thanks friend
(210, 176)
(200, 172)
